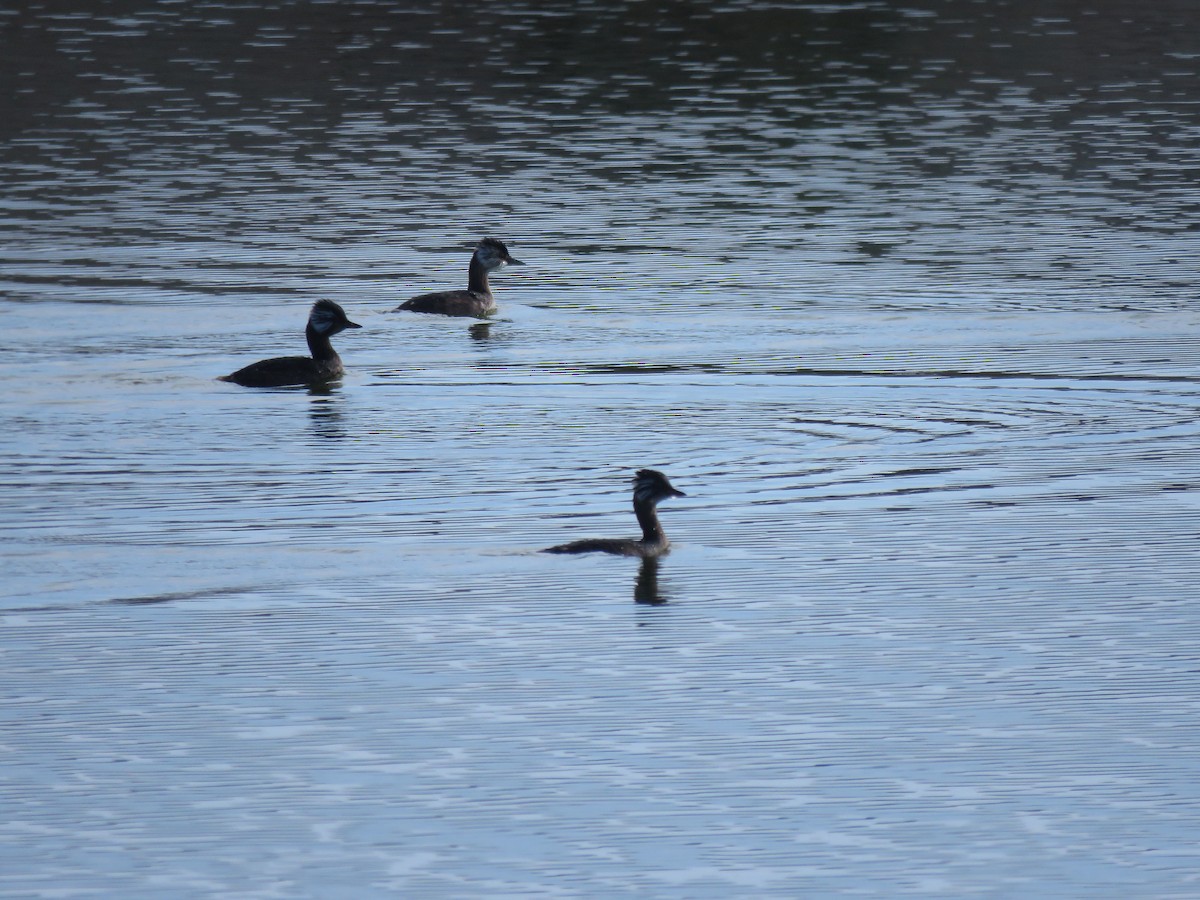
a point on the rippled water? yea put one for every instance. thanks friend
(902, 296)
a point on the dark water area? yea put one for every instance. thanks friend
(901, 295)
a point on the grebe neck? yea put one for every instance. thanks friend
(477, 279)
(647, 517)
(319, 345)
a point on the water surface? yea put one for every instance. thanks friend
(901, 296)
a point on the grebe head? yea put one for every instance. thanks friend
(492, 254)
(650, 486)
(327, 318)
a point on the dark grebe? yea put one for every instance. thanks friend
(649, 487)
(324, 321)
(477, 299)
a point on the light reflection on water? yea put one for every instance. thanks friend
(902, 301)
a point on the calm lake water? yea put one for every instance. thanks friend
(902, 295)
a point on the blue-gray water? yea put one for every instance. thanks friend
(902, 296)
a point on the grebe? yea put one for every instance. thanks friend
(649, 488)
(477, 299)
(324, 321)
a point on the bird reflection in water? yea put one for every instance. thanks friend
(325, 414)
(645, 589)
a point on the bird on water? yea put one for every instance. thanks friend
(649, 489)
(324, 321)
(477, 300)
